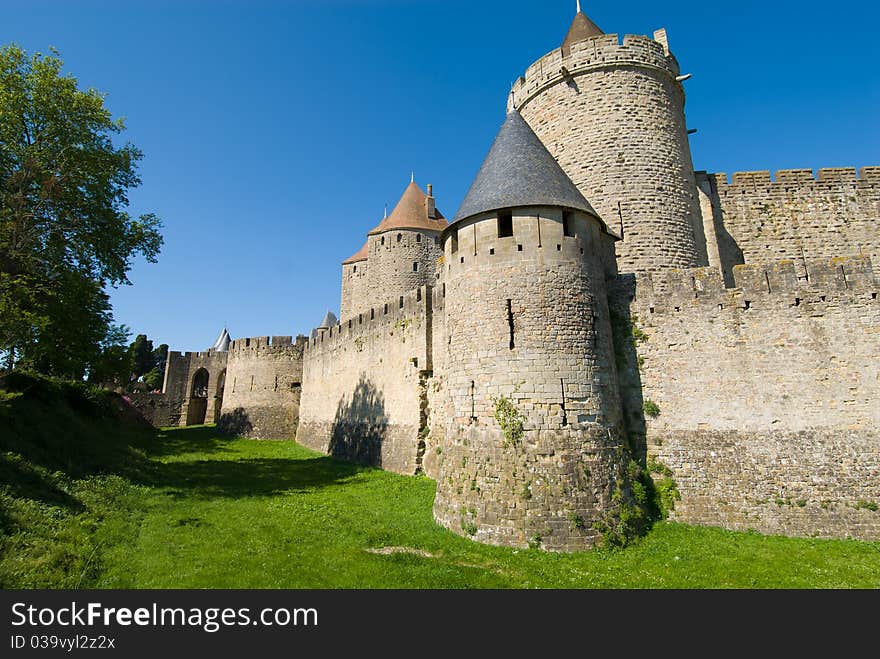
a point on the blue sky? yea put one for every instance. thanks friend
(275, 132)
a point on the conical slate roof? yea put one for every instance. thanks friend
(222, 342)
(360, 255)
(519, 171)
(411, 212)
(581, 28)
(329, 321)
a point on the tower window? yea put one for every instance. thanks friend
(415, 266)
(505, 224)
(418, 237)
(566, 224)
(399, 237)
(383, 240)
(355, 268)
(454, 238)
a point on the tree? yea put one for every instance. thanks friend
(142, 358)
(65, 234)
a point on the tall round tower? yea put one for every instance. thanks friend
(402, 251)
(612, 114)
(532, 445)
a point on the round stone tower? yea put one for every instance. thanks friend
(532, 446)
(612, 114)
(401, 253)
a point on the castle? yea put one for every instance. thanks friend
(594, 297)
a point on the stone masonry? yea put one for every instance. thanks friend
(594, 299)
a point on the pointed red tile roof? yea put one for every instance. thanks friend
(581, 28)
(411, 212)
(360, 255)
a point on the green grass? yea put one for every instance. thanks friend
(185, 508)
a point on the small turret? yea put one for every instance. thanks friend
(529, 339)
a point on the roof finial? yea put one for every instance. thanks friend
(386, 212)
(412, 176)
(578, 6)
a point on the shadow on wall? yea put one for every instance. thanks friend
(626, 336)
(360, 426)
(236, 423)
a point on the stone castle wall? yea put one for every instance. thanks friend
(612, 114)
(204, 410)
(767, 393)
(355, 288)
(263, 387)
(527, 319)
(795, 216)
(180, 370)
(390, 272)
(364, 385)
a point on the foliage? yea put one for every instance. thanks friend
(204, 511)
(65, 234)
(509, 419)
(651, 408)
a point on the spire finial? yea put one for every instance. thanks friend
(412, 176)
(578, 6)
(386, 211)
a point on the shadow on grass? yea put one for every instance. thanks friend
(237, 478)
(251, 477)
(193, 439)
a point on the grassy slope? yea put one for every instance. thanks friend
(238, 513)
(99, 503)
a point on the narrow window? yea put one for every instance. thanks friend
(510, 322)
(519, 248)
(418, 237)
(372, 314)
(399, 237)
(505, 224)
(276, 383)
(491, 251)
(386, 309)
(418, 295)
(454, 238)
(383, 240)
(355, 269)
(566, 224)
(252, 383)
(360, 319)
(401, 302)
(415, 266)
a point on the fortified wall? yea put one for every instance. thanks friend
(365, 381)
(796, 215)
(762, 398)
(193, 385)
(263, 387)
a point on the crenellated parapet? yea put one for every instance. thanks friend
(757, 286)
(596, 53)
(795, 214)
(263, 385)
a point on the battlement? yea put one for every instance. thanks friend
(537, 233)
(588, 55)
(204, 354)
(790, 177)
(257, 343)
(823, 281)
(392, 316)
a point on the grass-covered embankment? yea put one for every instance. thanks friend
(188, 509)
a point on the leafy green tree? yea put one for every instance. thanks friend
(65, 234)
(112, 367)
(142, 358)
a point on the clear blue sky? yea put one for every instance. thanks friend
(275, 132)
